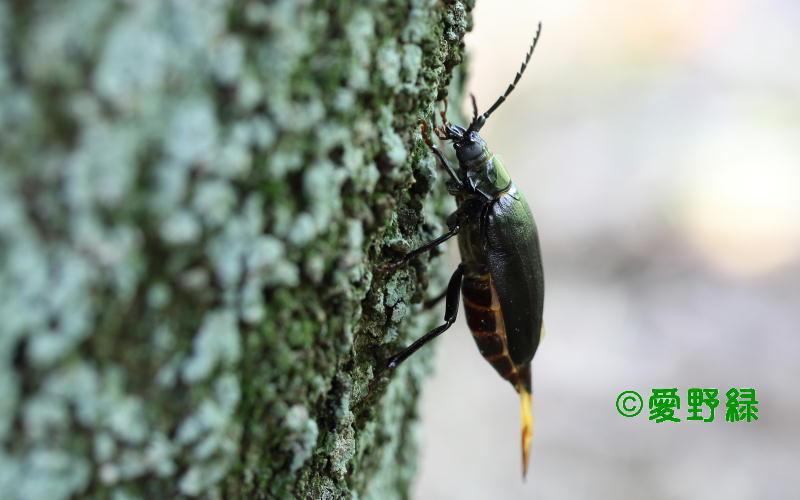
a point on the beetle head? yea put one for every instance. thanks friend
(468, 144)
(469, 147)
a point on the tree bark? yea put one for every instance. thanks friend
(194, 197)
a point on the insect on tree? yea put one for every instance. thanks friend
(500, 275)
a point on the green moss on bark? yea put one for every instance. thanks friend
(193, 200)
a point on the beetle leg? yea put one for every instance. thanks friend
(454, 222)
(447, 167)
(438, 153)
(443, 114)
(450, 313)
(424, 248)
(434, 300)
(424, 126)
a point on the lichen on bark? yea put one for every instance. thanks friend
(193, 201)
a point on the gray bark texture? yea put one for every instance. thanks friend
(194, 197)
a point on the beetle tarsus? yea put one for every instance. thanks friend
(443, 114)
(425, 136)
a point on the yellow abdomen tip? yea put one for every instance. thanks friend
(527, 428)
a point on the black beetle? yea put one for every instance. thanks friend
(500, 275)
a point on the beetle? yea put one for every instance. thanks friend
(500, 276)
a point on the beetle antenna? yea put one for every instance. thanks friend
(478, 122)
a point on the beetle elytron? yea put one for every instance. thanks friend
(500, 275)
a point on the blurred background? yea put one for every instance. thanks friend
(658, 144)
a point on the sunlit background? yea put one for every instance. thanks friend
(659, 146)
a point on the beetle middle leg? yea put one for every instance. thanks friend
(454, 222)
(391, 266)
(468, 211)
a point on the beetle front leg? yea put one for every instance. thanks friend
(450, 171)
(438, 153)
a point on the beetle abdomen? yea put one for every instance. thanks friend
(485, 320)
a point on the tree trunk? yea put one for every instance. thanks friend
(194, 198)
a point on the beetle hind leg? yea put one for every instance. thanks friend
(450, 314)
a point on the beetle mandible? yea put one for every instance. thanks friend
(500, 275)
